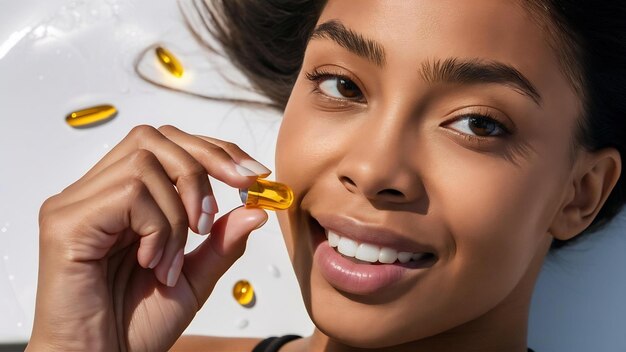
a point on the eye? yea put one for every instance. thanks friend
(335, 86)
(479, 126)
(340, 88)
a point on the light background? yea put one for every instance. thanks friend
(57, 56)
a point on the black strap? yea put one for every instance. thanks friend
(274, 343)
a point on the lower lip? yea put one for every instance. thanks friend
(348, 276)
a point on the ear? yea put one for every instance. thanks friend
(596, 173)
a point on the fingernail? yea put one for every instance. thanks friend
(156, 259)
(174, 272)
(244, 171)
(255, 167)
(209, 205)
(205, 223)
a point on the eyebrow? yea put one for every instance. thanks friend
(451, 70)
(350, 40)
(475, 71)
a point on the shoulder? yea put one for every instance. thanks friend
(214, 344)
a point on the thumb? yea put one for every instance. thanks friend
(208, 262)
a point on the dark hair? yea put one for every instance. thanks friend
(266, 40)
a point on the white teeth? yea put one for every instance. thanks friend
(418, 256)
(333, 239)
(369, 252)
(404, 257)
(347, 247)
(387, 255)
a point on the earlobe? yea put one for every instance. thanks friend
(596, 176)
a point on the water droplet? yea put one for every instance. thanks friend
(19, 324)
(106, 146)
(243, 323)
(273, 269)
(40, 77)
(6, 257)
(11, 277)
(4, 229)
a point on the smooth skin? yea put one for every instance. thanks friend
(111, 272)
(393, 152)
(393, 147)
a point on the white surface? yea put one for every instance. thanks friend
(59, 55)
(67, 55)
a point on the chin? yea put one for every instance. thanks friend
(353, 321)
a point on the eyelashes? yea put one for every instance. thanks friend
(336, 86)
(477, 126)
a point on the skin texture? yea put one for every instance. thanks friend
(395, 159)
(392, 151)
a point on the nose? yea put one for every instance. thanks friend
(379, 164)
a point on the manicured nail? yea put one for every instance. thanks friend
(174, 272)
(205, 223)
(209, 205)
(156, 259)
(255, 167)
(244, 171)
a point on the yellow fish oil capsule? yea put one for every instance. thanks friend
(244, 293)
(92, 116)
(169, 61)
(267, 195)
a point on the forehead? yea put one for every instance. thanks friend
(495, 28)
(416, 31)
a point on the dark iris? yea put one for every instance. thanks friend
(482, 126)
(347, 88)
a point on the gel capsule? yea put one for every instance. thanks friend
(267, 195)
(91, 116)
(169, 61)
(244, 293)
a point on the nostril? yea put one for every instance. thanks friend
(391, 192)
(345, 179)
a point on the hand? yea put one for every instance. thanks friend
(112, 274)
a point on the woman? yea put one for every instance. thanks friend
(441, 147)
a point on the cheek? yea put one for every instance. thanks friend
(307, 142)
(497, 214)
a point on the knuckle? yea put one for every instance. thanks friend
(194, 172)
(142, 131)
(167, 129)
(231, 147)
(47, 212)
(180, 224)
(134, 189)
(48, 205)
(214, 153)
(158, 228)
(143, 158)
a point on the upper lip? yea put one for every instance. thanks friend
(371, 233)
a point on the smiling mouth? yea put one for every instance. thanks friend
(367, 253)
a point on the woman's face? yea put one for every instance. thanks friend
(440, 128)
